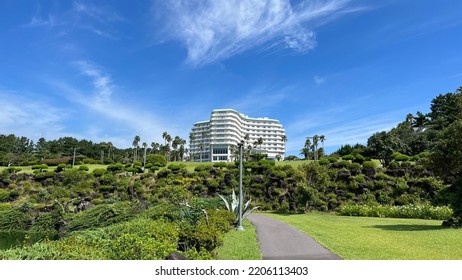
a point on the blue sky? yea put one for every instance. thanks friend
(110, 70)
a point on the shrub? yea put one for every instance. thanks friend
(348, 157)
(370, 165)
(156, 160)
(116, 167)
(425, 211)
(98, 172)
(14, 219)
(130, 246)
(83, 168)
(400, 157)
(4, 195)
(102, 215)
(359, 158)
(333, 159)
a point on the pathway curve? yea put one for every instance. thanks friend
(280, 241)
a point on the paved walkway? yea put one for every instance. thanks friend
(280, 241)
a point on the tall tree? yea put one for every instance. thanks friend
(444, 109)
(155, 148)
(110, 147)
(315, 146)
(135, 144)
(322, 138)
(447, 162)
(102, 146)
(305, 151)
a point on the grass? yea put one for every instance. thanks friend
(240, 245)
(28, 169)
(293, 163)
(366, 238)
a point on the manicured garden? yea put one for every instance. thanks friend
(370, 238)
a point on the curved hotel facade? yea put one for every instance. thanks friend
(216, 139)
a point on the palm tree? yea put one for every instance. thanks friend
(177, 142)
(305, 152)
(182, 150)
(110, 147)
(167, 139)
(135, 143)
(145, 146)
(315, 146)
(306, 148)
(259, 143)
(102, 146)
(322, 138)
(165, 135)
(155, 147)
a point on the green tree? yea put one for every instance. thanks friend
(381, 146)
(445, 109)
(447, 162)
(135, 144)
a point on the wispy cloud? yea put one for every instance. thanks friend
(331, 124)
(37, 21)
(116, 120)
(101, 13)
(25, 116)
(262, 98)
(81, 16)
(216, 30)
(101, 81)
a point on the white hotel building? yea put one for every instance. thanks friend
(216, 139)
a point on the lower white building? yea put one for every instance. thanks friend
(217, 139)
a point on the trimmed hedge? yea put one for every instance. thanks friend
(424, 211)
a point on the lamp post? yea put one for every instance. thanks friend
(239, 226)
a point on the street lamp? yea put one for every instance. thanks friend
(239, 226)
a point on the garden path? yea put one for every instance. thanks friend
(280, 241)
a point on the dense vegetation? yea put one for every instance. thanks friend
(153, 209)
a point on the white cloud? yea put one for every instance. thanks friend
(216, 30)
(81, 16)
(101, 81)
(116, 120)
(339, 128)
(25, 116)
(101, 13)
(260, 98)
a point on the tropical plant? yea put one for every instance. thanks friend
(233, 206)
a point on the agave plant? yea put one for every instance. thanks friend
(233, 206)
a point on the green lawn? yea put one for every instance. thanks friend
(240, 245)
(364, 238)
(28, 169)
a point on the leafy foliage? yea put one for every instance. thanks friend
(425, 211)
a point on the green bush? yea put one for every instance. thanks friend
(348, 157)
(370, 165)
(359, 158)
(98, 172)
(156, 160)
(4, 195)
(83, 168)
(14, 220)
(130, 246)
(425, 211)
(46, 222)
(116, 167)
(102, 215)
